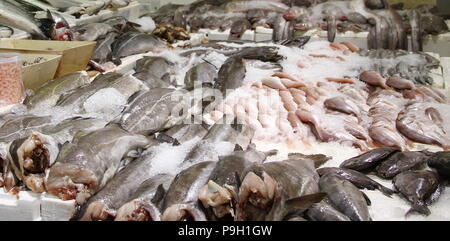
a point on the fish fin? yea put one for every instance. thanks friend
(237, 147)
(369, 203)
(386, 191)
(319, 159)
(163, 137)
(435, 195)
(159, 195)
(306, 201)
(418, 207)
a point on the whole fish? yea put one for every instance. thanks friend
(441, 162)
(145, 203)
(274, 190)
(181, 200)
(368, 160)
(346, 197)
(153, 111)
(48, 95)
(90, 161)
(417, 187)
(358, 179)
(31, 158)
(325, 212)
(221, 192)
(135, 43)
(400, 162)
(22, 126)
(79, 95)
(103, 48)
(13, 16)
(104, 204)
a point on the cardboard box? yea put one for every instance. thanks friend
(75, 54)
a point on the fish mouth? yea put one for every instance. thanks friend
(69, 182)
(98, 211)
(220, 199)
(183, 212)
(138, 210)
(258, 192)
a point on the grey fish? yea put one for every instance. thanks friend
(441, 162)
(135, 43)
(78, 96)
(181, 200)
(13, 16)
(153, 71)
(243, 6)
(103, 48)
(368, 160)
(153, 111)
(346, 197)
(104, 204)
(48, 95)
(273, 190)
(220, 194)
(66, 130)
(31, 157)
(232, 72)
(400, 162)
(186, 132)
(22, 126)
(90, 161)
(91, 31)
(325, 212)
(206, 149)
(417, 187)
(145, 203)
(358, 179)
(203, 73)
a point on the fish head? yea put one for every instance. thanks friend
(57, 27)
(183, 212)
(138, 210)
(98, 211)
(221, 199)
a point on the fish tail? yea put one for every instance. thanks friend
(386, 191)
(419, 207)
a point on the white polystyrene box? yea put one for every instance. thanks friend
(54, 209)
(24, 207)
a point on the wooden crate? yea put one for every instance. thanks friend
(75, 54)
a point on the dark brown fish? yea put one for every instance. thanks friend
(418, 187)
(400, 162)
(368, 160)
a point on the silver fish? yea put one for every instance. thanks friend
(153, 111)
(13, 16)
(48, 95)
(104, 204)
(135, 43)
(22, 126)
